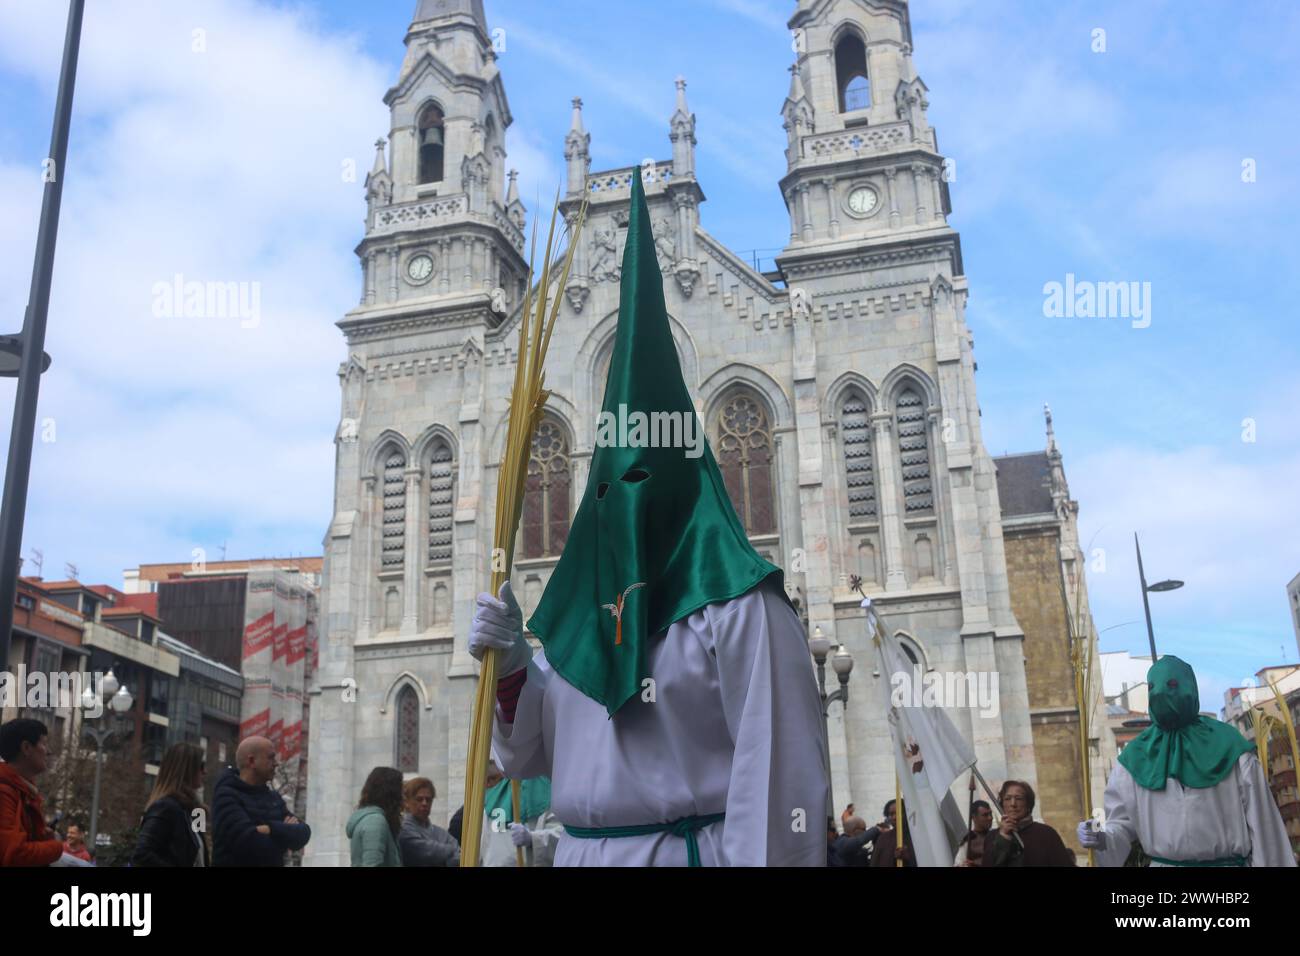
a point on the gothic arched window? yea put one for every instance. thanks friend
(745, 456)
(545, 522)
(851, 73)
(859, 472)
(393, 550)
(408, 730)
(912, 428)
(432, 137)
(442, 487)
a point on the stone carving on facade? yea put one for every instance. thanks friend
(380, 192)
(686, 275)
(473, 171)
(665, 245)
(353, 377)
(911, 103)
(577, 291)
(604, 256)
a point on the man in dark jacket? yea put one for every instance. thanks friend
(854, 848)
(251, 826)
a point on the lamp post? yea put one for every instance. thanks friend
(119, 701)
(23, 356)
(1169, 585)
(842, 664)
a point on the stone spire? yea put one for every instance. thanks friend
(514, 207)
(448, 9)
(379, 184)
(1059, 487)
(797, 93)
(797, 113)
(577, 151)
(681, 130)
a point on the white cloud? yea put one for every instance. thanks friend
(225, 165)
(1215, 517)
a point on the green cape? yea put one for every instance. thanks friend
(534, 799)
(655, 537)
(1196, 751)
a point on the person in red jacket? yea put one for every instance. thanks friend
(24, 838)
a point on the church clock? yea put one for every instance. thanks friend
(863, 201)
(419, 267)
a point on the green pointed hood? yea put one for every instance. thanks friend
(655, 537)
(1196, 751)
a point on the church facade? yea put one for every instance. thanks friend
(837, 392)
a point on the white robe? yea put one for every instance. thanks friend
(735, 726)
(1235, 817)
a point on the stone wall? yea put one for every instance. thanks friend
(1034, 570)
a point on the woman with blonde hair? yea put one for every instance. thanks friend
(173, 830)
(421, 842)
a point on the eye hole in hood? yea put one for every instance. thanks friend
(635, 475)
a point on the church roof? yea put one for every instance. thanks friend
(1024, 484)
(438, 9)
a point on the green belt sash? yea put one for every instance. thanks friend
(1222, 861)
(685, 828)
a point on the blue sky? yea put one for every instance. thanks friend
(1123, 165)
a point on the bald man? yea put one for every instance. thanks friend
(251, 826)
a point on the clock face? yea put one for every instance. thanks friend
(863, 201)
(419, 268)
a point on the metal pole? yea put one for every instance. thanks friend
(18, 469)
(1146, 603)
(94, 798)
(826, 736)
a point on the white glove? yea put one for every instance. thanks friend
(520, 835)
(1089, 838)
(499, 624)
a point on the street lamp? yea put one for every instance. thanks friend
(22, 356)
(842, 664)
(119, 701)
(1170, 585)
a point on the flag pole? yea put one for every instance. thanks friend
(1081, 661)
(516, 795)
(898, 818)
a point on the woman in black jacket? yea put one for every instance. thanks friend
(173, 831)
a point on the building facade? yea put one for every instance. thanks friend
(838, 392)
(46, 640)
(1049, 595)
(251, 630)
(1256, 710)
